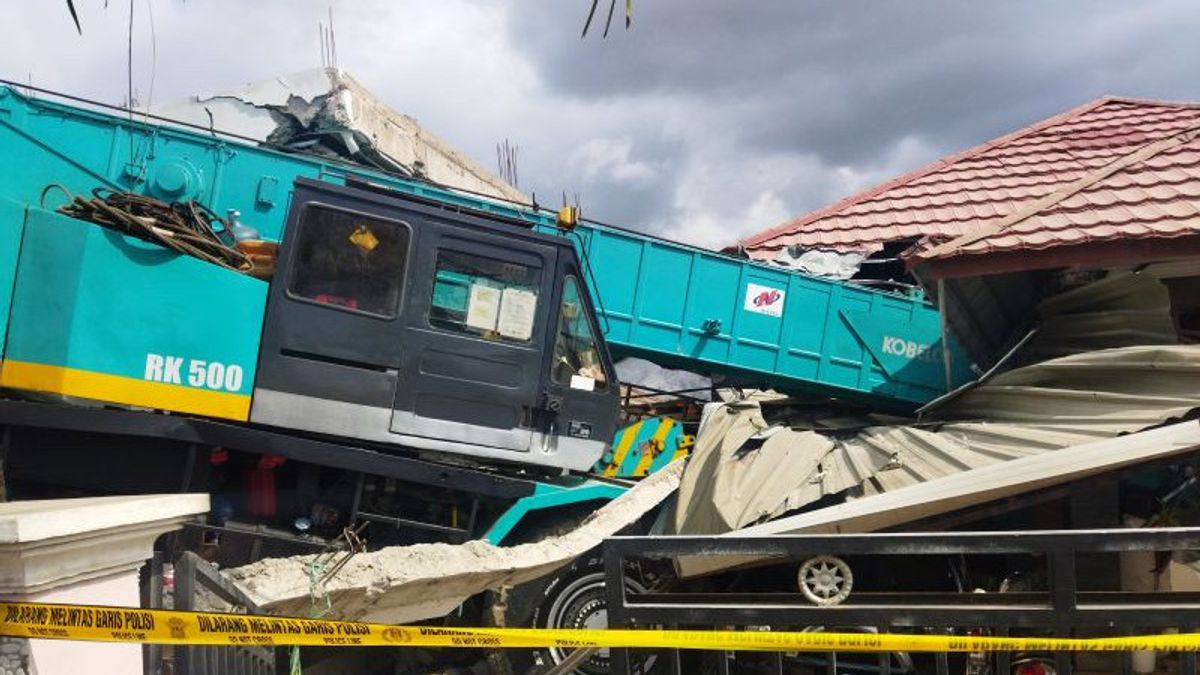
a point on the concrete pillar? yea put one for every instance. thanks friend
(81, 551)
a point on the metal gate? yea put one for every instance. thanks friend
(1057, 607)
(196, 579)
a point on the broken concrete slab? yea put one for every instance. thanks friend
(411, 583)
(326, 111)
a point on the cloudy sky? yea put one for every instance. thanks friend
(708, 121)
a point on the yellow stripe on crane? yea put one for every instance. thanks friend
(124, 390)
(622, 449)
(657, 443)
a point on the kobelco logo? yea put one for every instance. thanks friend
(908, 349)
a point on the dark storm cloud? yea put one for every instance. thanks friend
(707, 121)
(845, 80)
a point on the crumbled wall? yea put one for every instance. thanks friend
(315, 102)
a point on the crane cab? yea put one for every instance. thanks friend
(387, 321)
(398, 322)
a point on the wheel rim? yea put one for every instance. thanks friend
(825, 580)
(583, 603)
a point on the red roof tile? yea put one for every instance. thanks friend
(980, 188)
(1149, 196)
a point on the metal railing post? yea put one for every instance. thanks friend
(152, 653)
(1064, 586)
(192, 573)
(187, 658)
(614, 584)
(1187, 660)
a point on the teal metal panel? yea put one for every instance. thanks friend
(81, 150)
(90, 299)
(616, 259)
(12, 223)
(678, 305)
(547, 496)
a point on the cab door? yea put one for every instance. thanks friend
(332, 343)
(583, 391)
(474, 337)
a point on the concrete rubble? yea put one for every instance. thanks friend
(325, 110)
(411, 583)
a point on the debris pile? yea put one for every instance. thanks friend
(745, 471)
(410, 583)
(325, 111)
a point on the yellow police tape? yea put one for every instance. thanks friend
(122, 624)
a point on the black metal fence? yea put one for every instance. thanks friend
(196, 584)
(1056, 607)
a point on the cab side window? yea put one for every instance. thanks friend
(577, 362)
(489, 298)
(349, 260)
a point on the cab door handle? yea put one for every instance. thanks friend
(550, 439)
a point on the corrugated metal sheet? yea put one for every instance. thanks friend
(734, 481)
(983, 185)
(1124, 308)
(999, 480)
(1127, 306)
(742, 469)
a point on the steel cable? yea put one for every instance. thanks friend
(186, 227)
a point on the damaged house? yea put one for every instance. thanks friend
(1066, 260)
(1110, 185)
(1064, 257)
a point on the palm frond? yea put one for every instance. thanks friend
(608, 22)
(612, 7)
(586, 24)
(74, 15)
